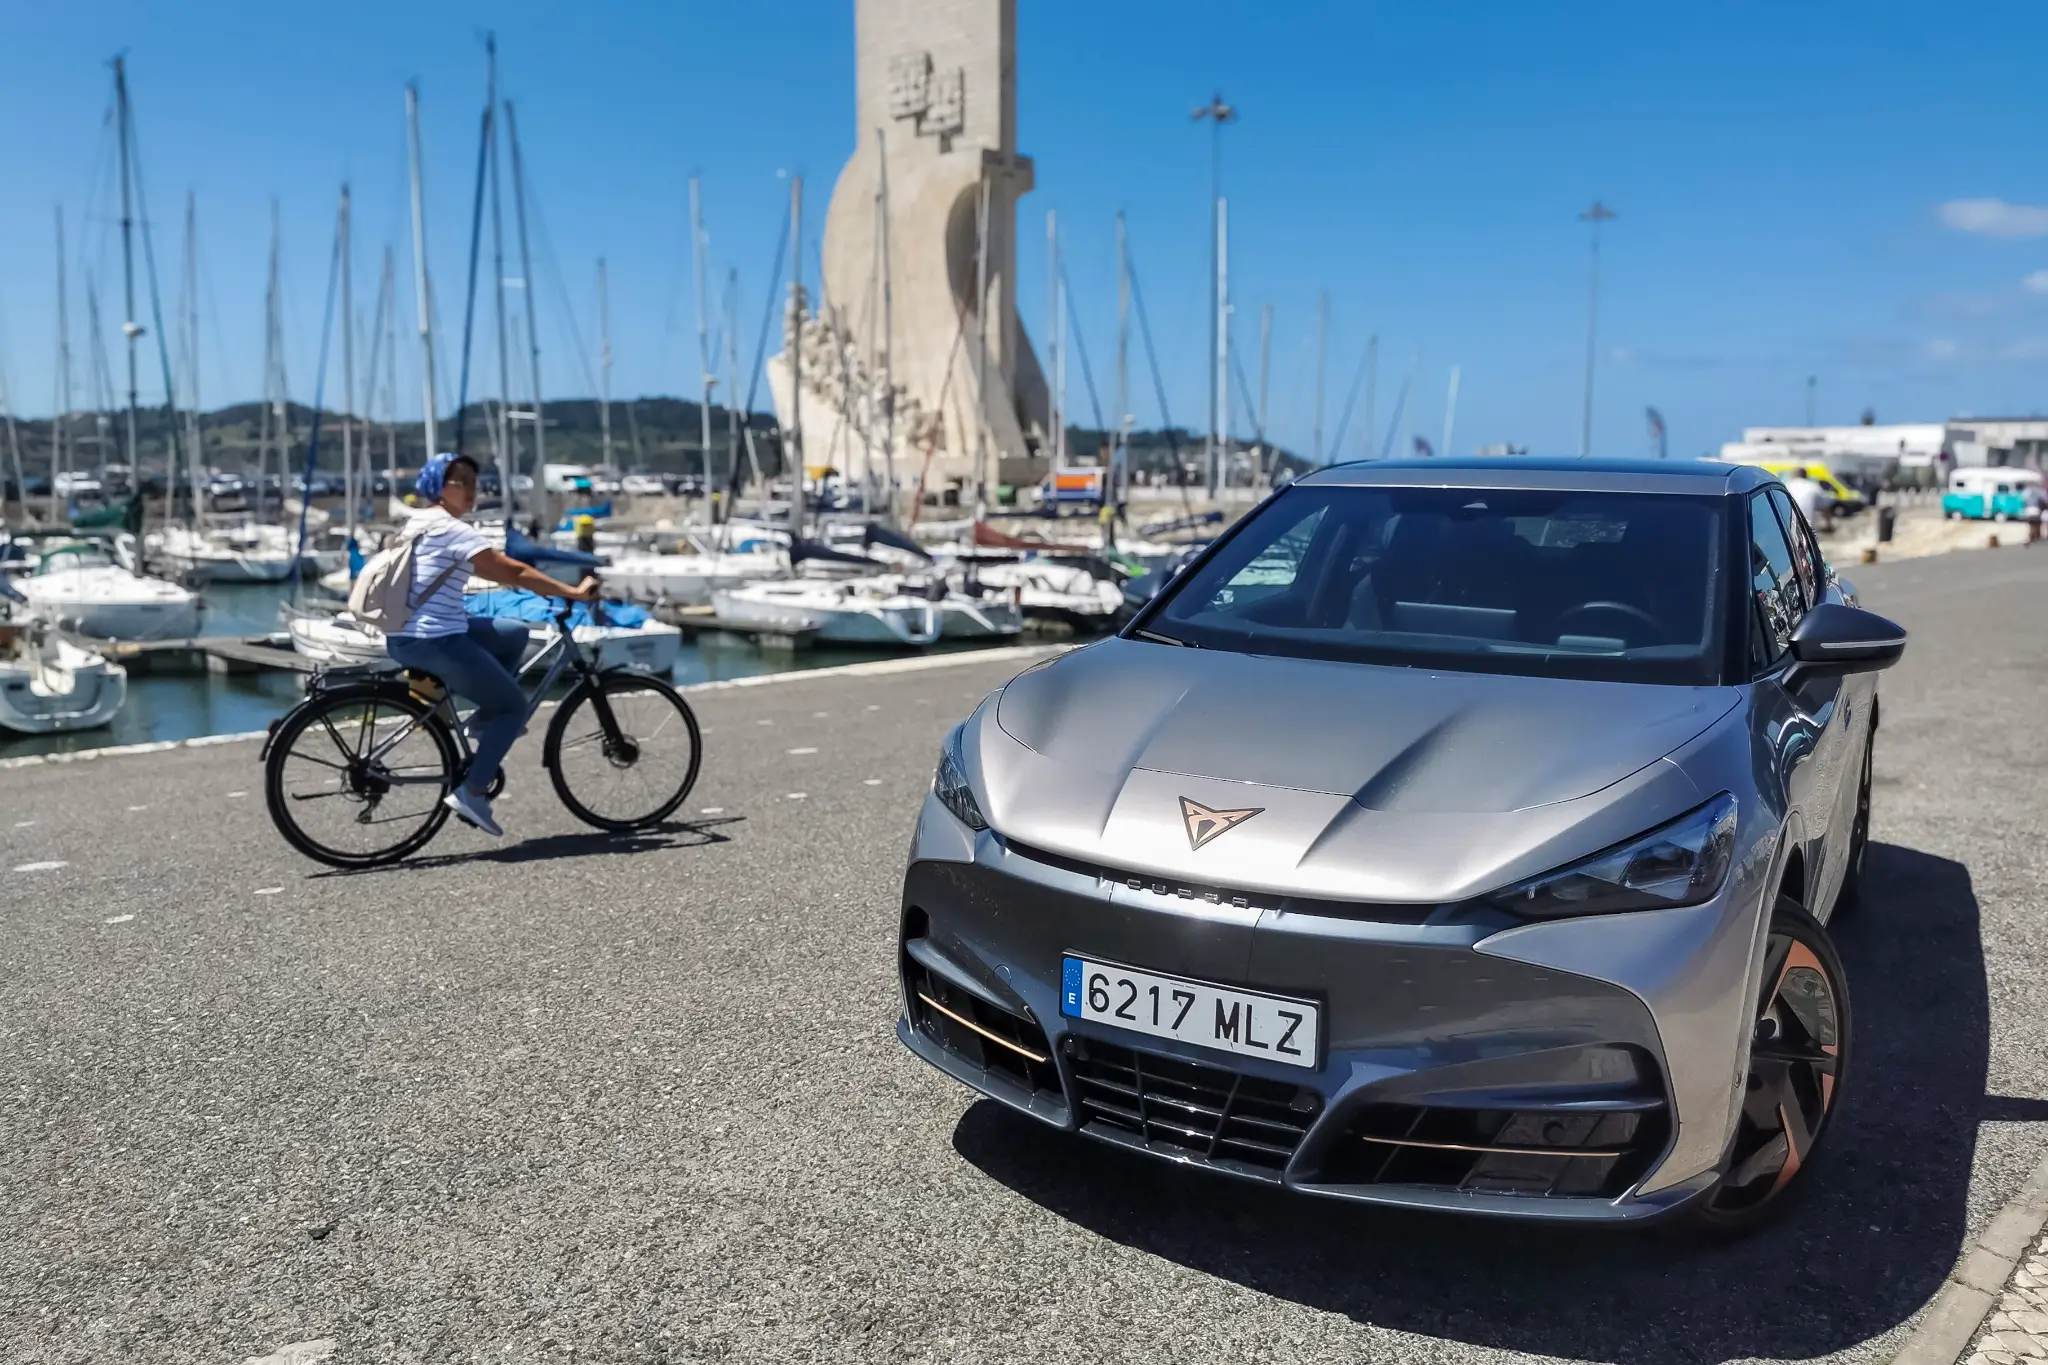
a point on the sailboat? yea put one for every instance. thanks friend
(50, 685)
(80, 587)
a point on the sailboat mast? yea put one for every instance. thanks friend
(419, 269)
(60, 444)
(1322, 357)
(1055, 391)
(540, 437)
(793, 449)
(697, 251)
(981, 349)
(273, 330)
(1265, 372)
(888, 332)
(1120, 462)
(348, 364)
(129, 328)
(194, 448)
(604, 365)
(390, 292)
(508, 460)
(732, 389)
(1222, 347)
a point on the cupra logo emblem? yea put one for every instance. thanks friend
(1205, 824)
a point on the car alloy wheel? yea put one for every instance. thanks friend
(1798, 1059)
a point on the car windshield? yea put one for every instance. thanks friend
(1618, 586)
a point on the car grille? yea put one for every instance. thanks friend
(1583, 1151)
(1208, 1113)
(993, 1039)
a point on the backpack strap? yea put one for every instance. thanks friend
(413, 535)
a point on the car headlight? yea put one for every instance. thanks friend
(949, 784)
(1682, 863)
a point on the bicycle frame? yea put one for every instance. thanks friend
(563, 654)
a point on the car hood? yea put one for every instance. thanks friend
(1365, 770)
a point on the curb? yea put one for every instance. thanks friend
(1973, 1288)
(876, 668)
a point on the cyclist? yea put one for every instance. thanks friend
(476, 657)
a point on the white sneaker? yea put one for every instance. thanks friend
(473, 810)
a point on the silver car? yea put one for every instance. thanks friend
(1458, 835)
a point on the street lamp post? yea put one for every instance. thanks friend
(1811, 380)
(1595, 215)
(1218, 113)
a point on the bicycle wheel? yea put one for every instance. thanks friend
(623, 751)
(342, 792)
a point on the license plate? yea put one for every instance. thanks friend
(1220, 1018)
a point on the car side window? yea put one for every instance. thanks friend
(1805, 558)
(1774, 586)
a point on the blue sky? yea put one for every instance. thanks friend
(1847, 191)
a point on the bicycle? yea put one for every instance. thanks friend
(355, 774)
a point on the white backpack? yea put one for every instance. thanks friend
(382, 594)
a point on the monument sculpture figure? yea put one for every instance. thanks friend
(915, 368)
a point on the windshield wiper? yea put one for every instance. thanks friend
(1156, 638)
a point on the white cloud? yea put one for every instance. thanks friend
(2036, 283)
(1939, 349)
(2026, 349)
(1994, 218)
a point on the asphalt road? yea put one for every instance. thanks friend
(572, 1098)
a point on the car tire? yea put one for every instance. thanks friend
(1792, 1084)
(1849, 899)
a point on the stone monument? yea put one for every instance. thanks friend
(914, 364)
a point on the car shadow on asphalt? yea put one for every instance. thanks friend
(1870, 1240)
(679, 834)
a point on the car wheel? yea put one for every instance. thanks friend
(1798, 1060)
(1850, 898)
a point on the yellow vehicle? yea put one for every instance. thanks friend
(1847, 499)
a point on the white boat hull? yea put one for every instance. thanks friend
(338, 641)
(686, 580)
(59, 688)
(835, 614)
(111, 604)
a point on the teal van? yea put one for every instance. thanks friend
(1988, 494)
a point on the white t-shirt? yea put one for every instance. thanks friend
(440, 541)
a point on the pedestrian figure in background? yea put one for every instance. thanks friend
(1814, 500)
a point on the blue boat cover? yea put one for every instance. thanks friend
(517, 604)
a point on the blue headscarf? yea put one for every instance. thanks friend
(433, 475)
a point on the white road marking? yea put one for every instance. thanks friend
(233, 795)
(120, 919)
(819, 715)
(23, 824)
(135, 808)
(268, 890)
(296, 1353)
(712, 810)
(803, 751)
(874, 708)
(41, 867)
(871, 782)
(798, 796)
(764, 721)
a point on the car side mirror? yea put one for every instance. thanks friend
(1833, 638)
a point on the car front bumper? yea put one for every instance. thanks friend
(1470, 1065)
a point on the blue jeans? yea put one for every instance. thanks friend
(483, 666)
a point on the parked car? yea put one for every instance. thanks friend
(641, 485)
(1450, 834)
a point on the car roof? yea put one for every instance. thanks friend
(1696, 477)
